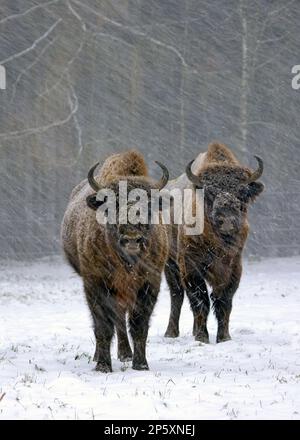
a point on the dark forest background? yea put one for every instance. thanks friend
(89, 78)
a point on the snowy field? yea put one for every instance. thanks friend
(46, 344)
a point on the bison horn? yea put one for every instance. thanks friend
(196, 180)
(91, 179)
(165, 177)
(257, 173)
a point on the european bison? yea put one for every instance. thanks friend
(216, 255)
(120, 264)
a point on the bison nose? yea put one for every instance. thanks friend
(226, 225)
(130, 242)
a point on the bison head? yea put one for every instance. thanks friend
(228, 190)
(131, 237)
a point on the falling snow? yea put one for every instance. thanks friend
(87, 78)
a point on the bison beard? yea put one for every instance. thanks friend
(114, 285)
(216, 255)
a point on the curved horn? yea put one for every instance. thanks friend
(91, 179)
(165, 177)
(196, 180)
(257, 173)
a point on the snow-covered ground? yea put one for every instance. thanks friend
(46, 344)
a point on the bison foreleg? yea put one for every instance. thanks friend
(139, 324)
(222, 304)
(222, 308)
(197, 294)
(101, 305)
(176, 293)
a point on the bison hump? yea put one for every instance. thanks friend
(218, 152)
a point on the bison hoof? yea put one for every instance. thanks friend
(171, 333)
(223, 338)
(202, 337)
(104, 368)
(140, 366)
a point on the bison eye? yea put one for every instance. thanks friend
(220, 221)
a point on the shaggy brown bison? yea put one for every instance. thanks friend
(121, 264)
(215, 256)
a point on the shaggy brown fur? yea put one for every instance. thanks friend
(216, 255)
(114, 282)
(130, 163)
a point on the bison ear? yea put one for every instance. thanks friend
(255, 189)
(251, 191)
(92, 202)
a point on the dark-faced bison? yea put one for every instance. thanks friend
(120, 264)
(216, 255)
